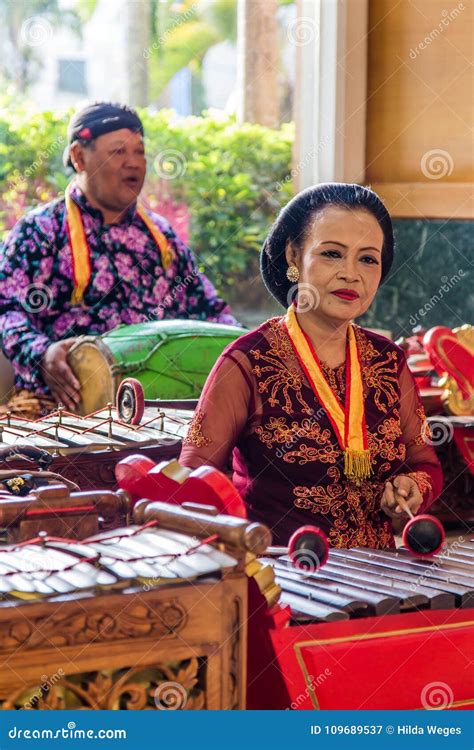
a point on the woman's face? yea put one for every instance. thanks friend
(340, 262)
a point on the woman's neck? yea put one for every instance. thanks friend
(328, 337)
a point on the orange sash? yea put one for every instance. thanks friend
(348, 421)
(81, 264)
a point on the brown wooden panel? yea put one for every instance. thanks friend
(420, 106)
(422, 200)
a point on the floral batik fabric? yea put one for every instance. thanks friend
(287, 463)
(128, 283)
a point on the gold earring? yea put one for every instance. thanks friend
(292, 274)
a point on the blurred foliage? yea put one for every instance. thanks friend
(209, 163)
(183, 32)
(231, 199)
(233, 180)
(27, 25)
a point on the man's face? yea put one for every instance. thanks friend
(114, 166)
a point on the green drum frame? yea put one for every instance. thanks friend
(171, 359)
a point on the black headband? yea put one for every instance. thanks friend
(98, 119)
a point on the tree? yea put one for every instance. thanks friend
(138, 23)
(258, 62)
(25, 27)
(182, 37)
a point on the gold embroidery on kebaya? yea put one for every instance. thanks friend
(383, 379)
(382, 442)
(336, 378)
(279, 374)
(306, 453)
(352, 511)
(423, 480)
(327, 500)
(425, 432)
(194, 435)
(365, 347)
(390, 427)
(382, 375)
(340, 503)
(277, 432)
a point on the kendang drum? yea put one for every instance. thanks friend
(171, 359)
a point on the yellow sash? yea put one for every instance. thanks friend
(348, 421)
(81, 264)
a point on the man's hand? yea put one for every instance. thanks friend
(58, 376)
(408, 489)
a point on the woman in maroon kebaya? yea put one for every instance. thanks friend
(322, 417)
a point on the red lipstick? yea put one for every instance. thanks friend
(348, 294)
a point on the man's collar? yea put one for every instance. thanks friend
(79, 197)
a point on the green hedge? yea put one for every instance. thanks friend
(233, 179)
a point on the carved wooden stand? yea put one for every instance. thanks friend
(174, 647)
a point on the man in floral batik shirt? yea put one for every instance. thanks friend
(137, 267)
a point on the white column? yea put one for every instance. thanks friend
(330, 38)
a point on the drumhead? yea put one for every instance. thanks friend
(90, 360)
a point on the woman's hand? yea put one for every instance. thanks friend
(408, 489)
